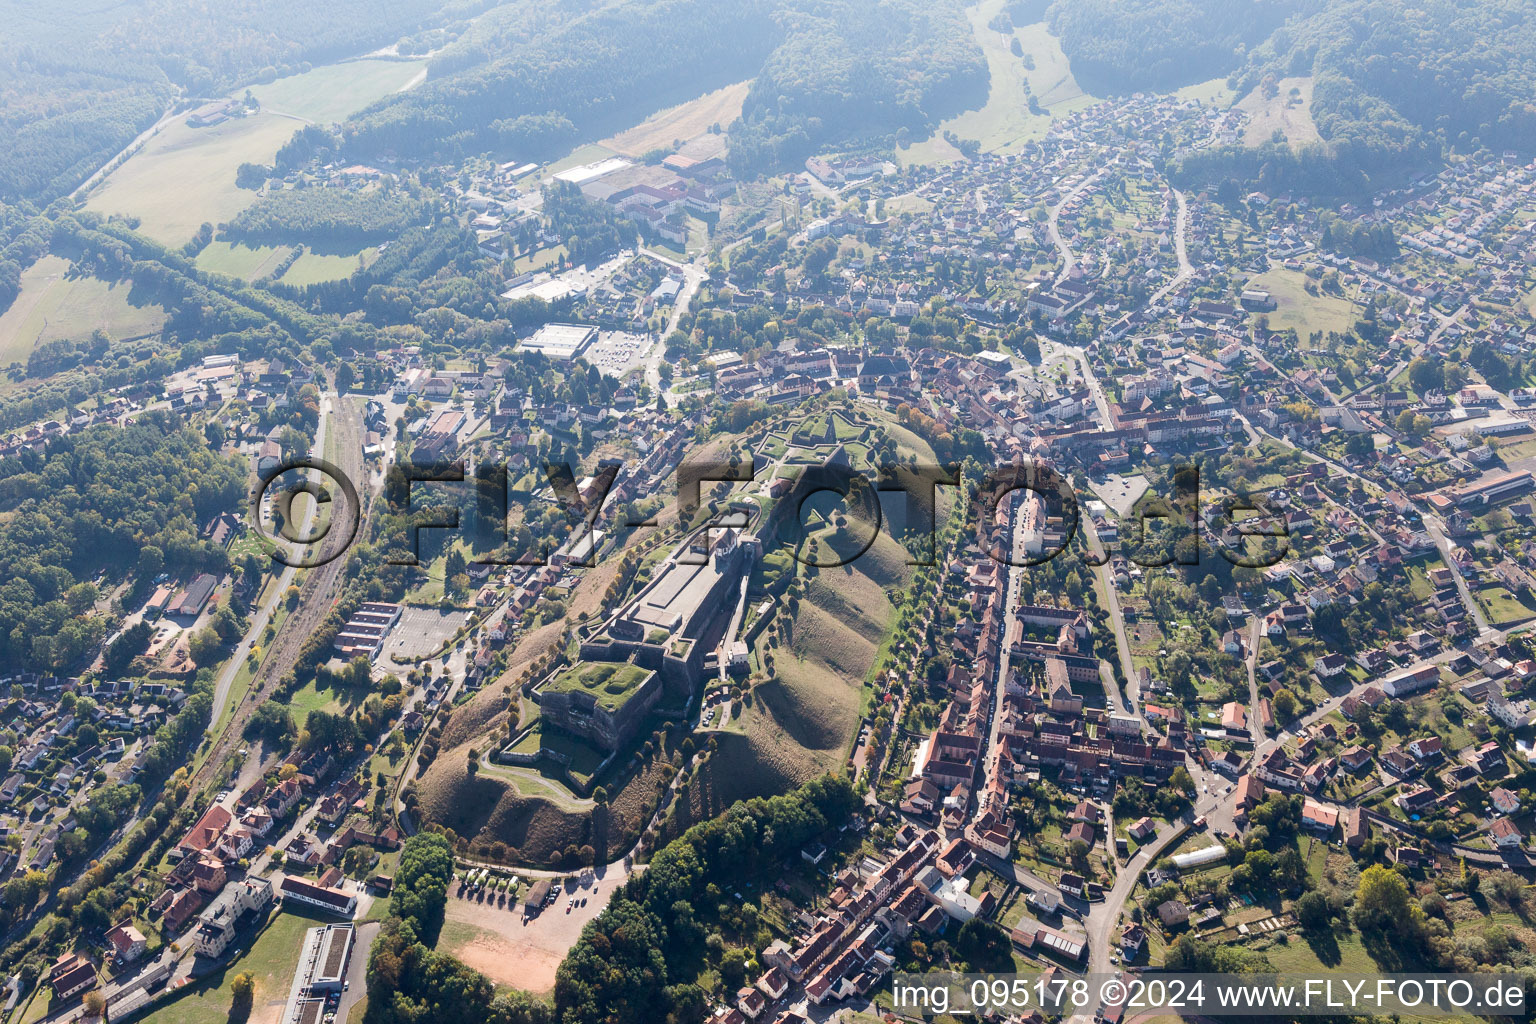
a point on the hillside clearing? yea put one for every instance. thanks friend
(185, 176)
(1288, 111)
(1005, 122)
(682, 122)
(53, 306)
(333, 92)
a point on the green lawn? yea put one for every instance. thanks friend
(611, 683)
(1294, 308)
(247, 262)
(316, 267)
(1501, 606)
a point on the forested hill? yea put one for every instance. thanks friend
(79, 80)
(1119, 46)
(855, 70)
(826, 71)
(1395, 81)
(531, 95)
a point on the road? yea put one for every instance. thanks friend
(1180, 249)
(999, 687)
(1117, 623)
(1255, 638)
(693, 276)
(1053, 226)
(1436, 530)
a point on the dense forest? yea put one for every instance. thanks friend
(856, 72)
(827, 73)
(597, 72)
(326, 216)
(79, 81)
(590, 230)
(121, 499)
(1121, 46)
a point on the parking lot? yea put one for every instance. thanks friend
(617, 352)
(421, 631)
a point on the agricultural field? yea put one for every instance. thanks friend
(248, 262)
(1295, 308)
(1288, 111)
(184, 176)
(682, 122)
(317, 267)
(53, 306)
(333, 92)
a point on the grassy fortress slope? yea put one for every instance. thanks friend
(803, 697)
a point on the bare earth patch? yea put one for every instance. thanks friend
(498, 943)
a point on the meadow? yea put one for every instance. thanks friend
(53, 305)
(1005, 122)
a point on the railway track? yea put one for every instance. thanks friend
(318, 592)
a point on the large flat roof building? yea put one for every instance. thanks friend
(563, 342)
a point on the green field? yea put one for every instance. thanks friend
(1294, 308)
(1004, 123)
(1501, 606)
(247, 262)
(583, 759)
(611, 682)
(332, 92)
(52, 306)
(1213, 92)
(185, 176)
(315, 267)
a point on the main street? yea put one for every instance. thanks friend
(694, 275)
